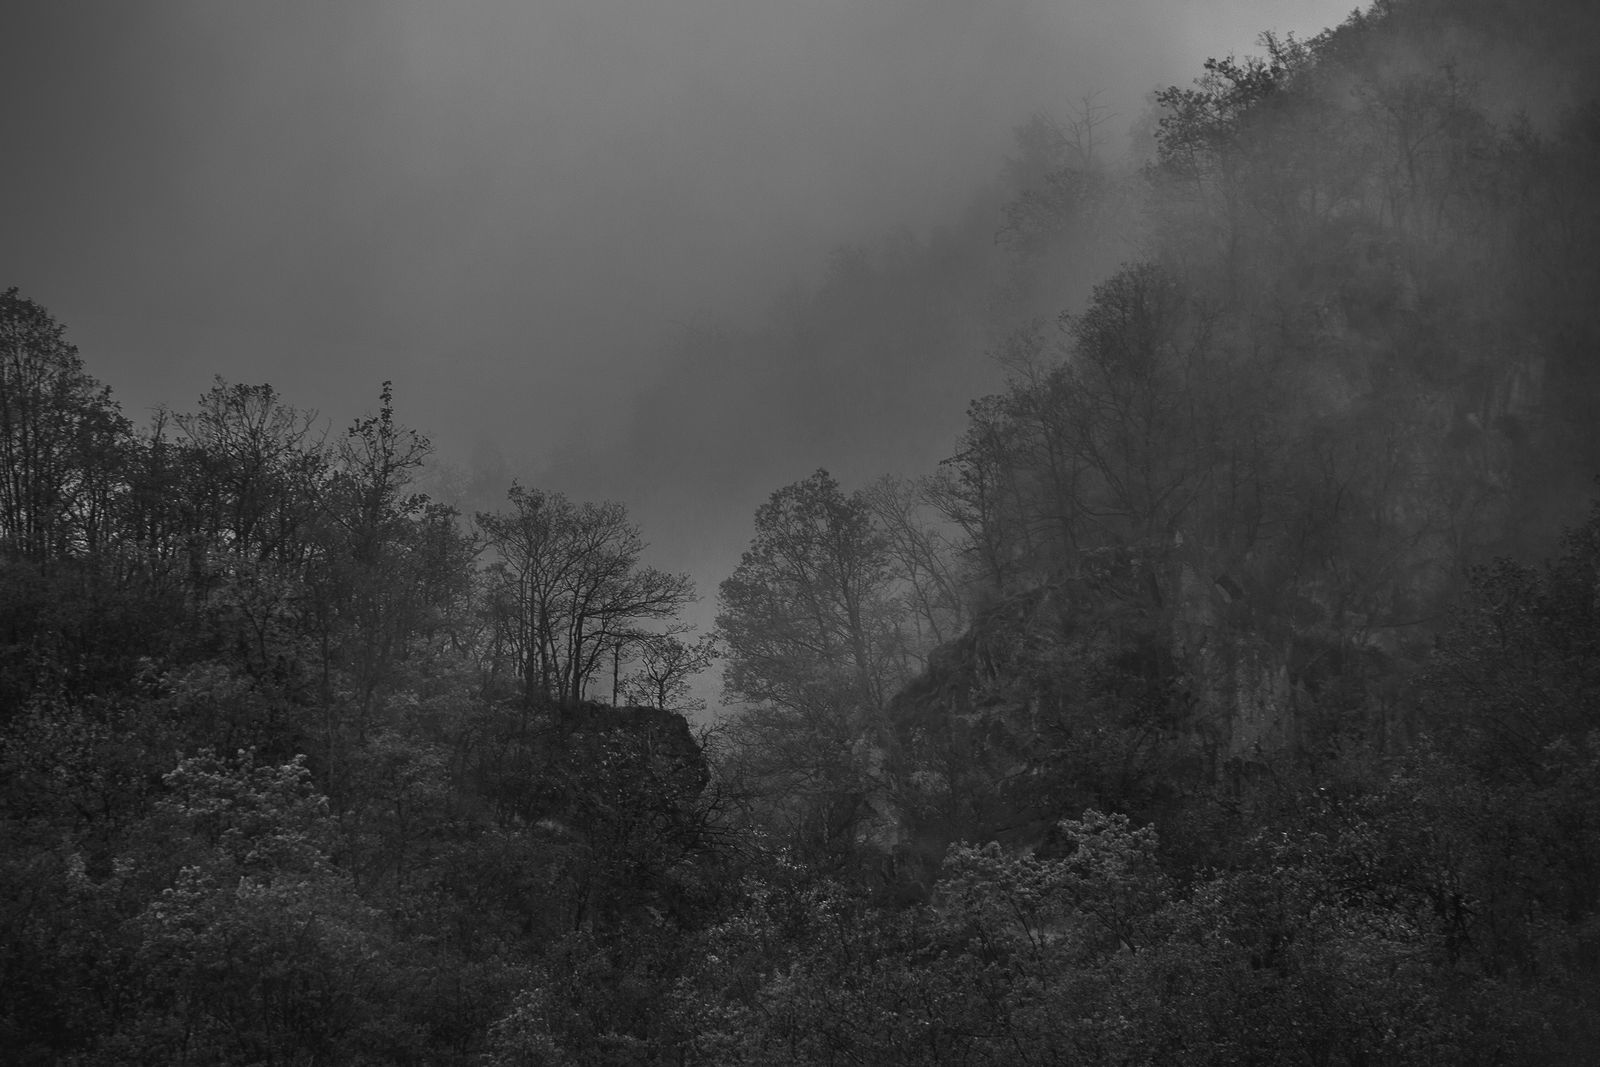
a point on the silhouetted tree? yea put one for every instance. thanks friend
(62, 440)
(567, 585)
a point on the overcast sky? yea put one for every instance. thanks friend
(506, 206)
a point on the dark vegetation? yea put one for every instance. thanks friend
(1232, 695)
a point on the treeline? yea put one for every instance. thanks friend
(245, 528)
(1343, 365)
(1209, 705)
(1288, 760)
(1153, 899)
(296, 764)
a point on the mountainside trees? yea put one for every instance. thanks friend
(569, 591)
(1213, 535)
(259, 800)
(1207, 707)
(61, 439)
(815, 646)
(806, 614)
(255, 472)
(1328, 387)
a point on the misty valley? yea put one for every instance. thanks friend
(1227, 692)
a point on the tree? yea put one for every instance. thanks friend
(922, 560)
(393, 563)
(258, 949)
(979, 490)
(808, 614)
(816, 645)
(258, 469)
(1127, 427)
(666, 663)
(61, 436)
(568, 588)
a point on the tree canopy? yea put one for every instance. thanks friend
(1227, 697)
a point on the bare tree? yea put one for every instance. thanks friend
(568, 586)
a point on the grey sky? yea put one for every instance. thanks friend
(505, 206)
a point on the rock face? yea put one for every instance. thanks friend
(618, 794)
(1236, 677)
(1058, 698)
(659, 742)
(1096, 689)
(1134, 684)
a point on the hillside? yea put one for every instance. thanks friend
(1229, 696)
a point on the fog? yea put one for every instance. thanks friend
(529, 215)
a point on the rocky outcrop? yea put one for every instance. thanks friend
(660, 742)
(1090, 690)
(1058, 698)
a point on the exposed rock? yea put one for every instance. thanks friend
(661, 739)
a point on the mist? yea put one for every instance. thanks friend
(564, 230)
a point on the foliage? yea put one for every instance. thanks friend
(1204, 708)
(61, 441)
(815, 646)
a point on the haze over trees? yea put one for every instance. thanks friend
(1227, 696)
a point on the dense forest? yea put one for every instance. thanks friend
(1230, 695)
